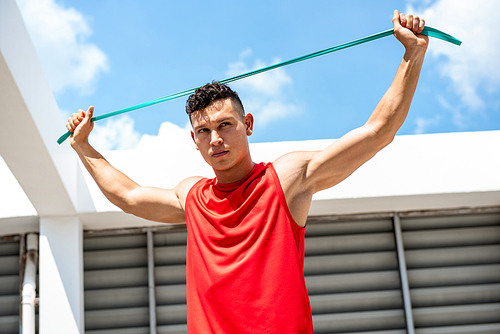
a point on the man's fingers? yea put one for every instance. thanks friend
(86, 116)
(402, 20)
(76, 118)
(409, 21)
(73, 122)
(80, 115)
(416, 24)
(421, 26)
(413, 23)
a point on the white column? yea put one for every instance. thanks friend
(61, 275)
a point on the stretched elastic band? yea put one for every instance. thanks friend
(427, 31)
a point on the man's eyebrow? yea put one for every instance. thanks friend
(227, 118)
(219, 120)
(198, 126)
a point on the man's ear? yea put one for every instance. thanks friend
(248, 120)
(192, 137)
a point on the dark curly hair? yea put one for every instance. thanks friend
(209, 93)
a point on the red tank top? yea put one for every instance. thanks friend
(245, 258)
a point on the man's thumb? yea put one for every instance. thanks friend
(90, 113)
(396, 18)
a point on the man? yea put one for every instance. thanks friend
(246, 227)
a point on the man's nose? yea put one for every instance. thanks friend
(215, 139)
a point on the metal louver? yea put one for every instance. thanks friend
(454, 273)
(170, 280)
(116, 284)
(9, 285)
(355, 282)
(351, 271)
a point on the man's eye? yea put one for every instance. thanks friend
(224, 124)
(202, 130)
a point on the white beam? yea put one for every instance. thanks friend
(30, 123)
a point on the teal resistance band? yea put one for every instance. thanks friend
(427, 31)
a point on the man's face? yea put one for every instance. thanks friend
(220, 134)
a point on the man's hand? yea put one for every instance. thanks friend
(407, 29)
(80, 125)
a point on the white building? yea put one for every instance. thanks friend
(415, 250)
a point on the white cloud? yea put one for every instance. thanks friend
(60, 37)
(472, 67)
(267, 95)
(423, 124)
(116, 134)
(120, 134)
(171, 137)
(458, 117)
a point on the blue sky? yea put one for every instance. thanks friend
(115, 54)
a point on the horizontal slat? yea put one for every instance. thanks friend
(9, 265)
(456, 315)
(9, 284)
(434, 277)
(453, 256)
(116, 298)
(165, 275)
(171, 314)
(115, 278)
(117, 318)
(323, 228)
(170, 255)
(122, 258)
(356, 302)
(170, 294)
(9, 305)
(376, 242)
(170, 239)
(391, 331)
(457, 295)
(9, 324)
(115, 242)
(9, 248)
(135, 330)
(452, 237)
(425, 223)
(370, 281)
(469, 329)
(359, 321)
(172, 329)
(330, 264)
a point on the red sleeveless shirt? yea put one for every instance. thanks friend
(245, 258)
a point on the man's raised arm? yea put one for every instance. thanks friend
(304, 173)
(161, 205)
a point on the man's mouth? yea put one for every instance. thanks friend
(219, 154)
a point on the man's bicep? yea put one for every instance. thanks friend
(161, 205)
(340, 159)
(156, 204)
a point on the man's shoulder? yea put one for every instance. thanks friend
(190, 182)
(183, 188)
(292, 162)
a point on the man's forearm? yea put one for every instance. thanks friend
(114, 184)
(393, 108)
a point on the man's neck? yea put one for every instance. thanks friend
(235, 173)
